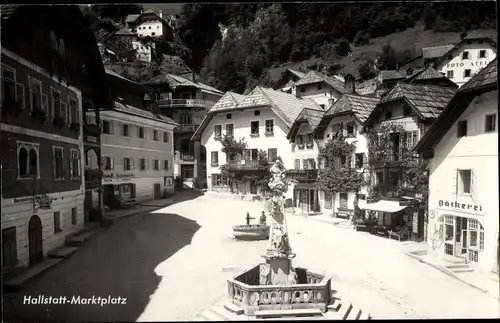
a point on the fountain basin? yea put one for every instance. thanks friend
(251, 232)
(311, 292)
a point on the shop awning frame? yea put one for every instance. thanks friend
(382, 206)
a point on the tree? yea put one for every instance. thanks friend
(366, 70)
(343, 48)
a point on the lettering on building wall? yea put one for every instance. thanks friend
(478, 63)
(460, 206)
(110, 177)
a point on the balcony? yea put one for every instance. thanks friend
(244, 165)
(303, 174)
(185, 103)
(186, 128)
(93, 178)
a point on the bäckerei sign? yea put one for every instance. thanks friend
(461, 207)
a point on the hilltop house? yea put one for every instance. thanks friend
(462, 148)
(467, 58)
(324, 90)
(262, 119)
(52, 77)
(408, 110)
(186, 102)
(287, 79)
(150, 24)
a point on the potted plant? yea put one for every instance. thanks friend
(39, 114)
(58, 121)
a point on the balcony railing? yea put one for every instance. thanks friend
(303, 174)
(186, 128)
(185, 103)
(244, 165)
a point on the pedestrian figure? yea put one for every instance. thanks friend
(248, 218)
(263, 218)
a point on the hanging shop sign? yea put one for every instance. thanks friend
(415, 222)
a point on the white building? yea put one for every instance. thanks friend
(324, 90)
(462, 146)
(467, 58)
(348, 115)
(263, 119)
(150, 24)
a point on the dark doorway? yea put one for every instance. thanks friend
(35, 240)
(156, 191)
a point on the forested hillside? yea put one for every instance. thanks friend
(264, 36)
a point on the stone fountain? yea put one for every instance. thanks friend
(275, 284)
(251, 231)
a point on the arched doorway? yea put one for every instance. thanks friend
(35, 241)
(92, 161)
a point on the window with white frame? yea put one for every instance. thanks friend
(144, 165)
(230, 129)
(8, 84)
(75, 165)
(128, 163)
(107, 163)
(36, 96)
(156, 164)
(165, 165)
(156, 135)
(28, 160)
(269, 127)
(58, 163)
(411, 139)
(217, 131)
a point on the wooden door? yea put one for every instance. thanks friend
(35, 240)
(156, 191)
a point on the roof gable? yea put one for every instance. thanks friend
(360, 106)
(484, 81)
(315, 77)
(471, 36)
(287, 73)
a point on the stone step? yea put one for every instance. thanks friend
(354, 314)
(62, 252)
(288, 313)
(212, 316)
(364, 316)
(79, 239)
(457, 266)
(233, 308)
(464, 270)
(33, 271)
(343, 312)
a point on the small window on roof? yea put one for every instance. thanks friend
(228, 116)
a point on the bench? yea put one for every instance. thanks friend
(344, 213)
(288, 313)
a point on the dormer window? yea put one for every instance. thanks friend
(228, 116)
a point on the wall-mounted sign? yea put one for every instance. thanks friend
(454, 205)
(110, 177)
(415, 222)
(406, 203)
(478, 63)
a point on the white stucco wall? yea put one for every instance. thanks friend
(143, 52)
(241, 121)
(147, 28)
(474, 63)
(478, 151)
(320, 96)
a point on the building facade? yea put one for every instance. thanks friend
(137, 146)
(262, 119)
(324, 90)
(43, 135)
(186, 102)
(462, 147)
(467, 58)
(150, 24)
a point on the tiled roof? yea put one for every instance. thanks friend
(101, 35)
(315, 77)
(6, 10)
(297, 73)
(132, 18)
(361, 106)
(487, 76)
(142, 113)
(392, 75)
(175, 81)
(312, 116)
(475, 35)
(428, 100)
(124, 32)
(228, 101)
(435, 51)
(426, 74)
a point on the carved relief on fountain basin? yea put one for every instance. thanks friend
(311, 291)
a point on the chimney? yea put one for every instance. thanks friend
(160, 13)
(350, 84)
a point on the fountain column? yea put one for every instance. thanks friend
(278, 267)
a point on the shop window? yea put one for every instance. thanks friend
(58, 163)
(9, 247)
(74, 218)
(254, 128)
(462, 128)
(393, 178)
(57, 222)
(490, 123)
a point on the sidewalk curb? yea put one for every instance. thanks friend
(449, 273)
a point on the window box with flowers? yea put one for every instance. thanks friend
(39, 114)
